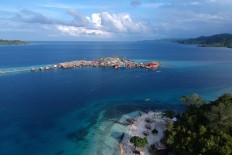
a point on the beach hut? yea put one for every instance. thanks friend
(122, 65)
(153, 147)
(116, 66)
(136, 151)
(161, 146)
(94, 63)
(145, 133)
(41, 68)
(148, 120)
(32, 69)
(131, 120)
(148, 126)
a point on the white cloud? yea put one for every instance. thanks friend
(113, 21)
(80, 20)
(224, 2)
(80, 31)
(195, 3)
(122, 23)
(96, 19)
(204, 18)
(109, 22)
(57, 5)
(98, 23)
(102, 24)
(16, 30)
(157, 5)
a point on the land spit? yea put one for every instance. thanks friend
(115, 62)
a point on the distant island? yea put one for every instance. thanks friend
(13, 42)
(219, 40)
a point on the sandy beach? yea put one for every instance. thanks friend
(144, 123)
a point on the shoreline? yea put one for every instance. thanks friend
(118, 138)
(142, 126)
(113, 62)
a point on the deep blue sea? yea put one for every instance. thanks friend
(65, 112)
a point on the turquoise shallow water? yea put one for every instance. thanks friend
(66, 112)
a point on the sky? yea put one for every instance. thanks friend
(119, 20)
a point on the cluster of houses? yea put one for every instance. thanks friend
(44, 68)
(115, 62)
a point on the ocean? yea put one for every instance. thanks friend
(68, 112)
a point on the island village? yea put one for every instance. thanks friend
(115, 62)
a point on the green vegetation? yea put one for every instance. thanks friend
(191, 100)
(219, 40)
(203, 129)
(12, 42)
(138, 141)
(154, 131)
(169, 114)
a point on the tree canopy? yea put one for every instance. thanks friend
(169, 114)
(204, 129)
(191, 100)
(154, 131)
(138, 141)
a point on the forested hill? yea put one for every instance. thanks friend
(219, 40)
(12, 42)
(203, 128)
